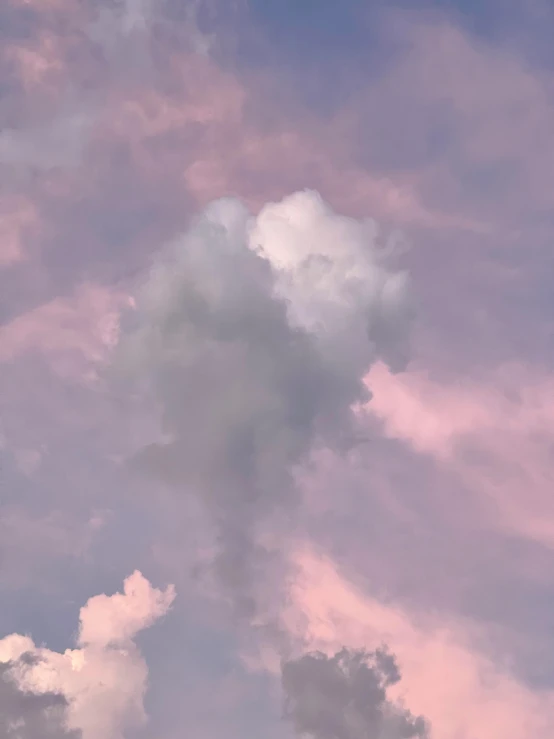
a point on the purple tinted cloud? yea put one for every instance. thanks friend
(122, 122)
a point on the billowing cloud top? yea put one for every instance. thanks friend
(330, 271)
(95, 691)
(255, 334)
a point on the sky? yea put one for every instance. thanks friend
(276, 369)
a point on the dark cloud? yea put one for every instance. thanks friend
(345, 697)
(29, 716)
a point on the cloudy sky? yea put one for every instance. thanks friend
(276, 374)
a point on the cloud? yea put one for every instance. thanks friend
(326, 277)
(446, 672)
(429, 416)
(255, 335)
(18, 219)
(94, 691)
(480, 123)
(344, 697)
(60, 142)
(27, 715)
(63, 82)
(119, 20)
(29, 542)
(135, 190)
(122, 31)
(38, 65)
(123, 189)
(115, 620)
(494, 432)
(74, 333)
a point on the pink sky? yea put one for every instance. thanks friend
(436, 534)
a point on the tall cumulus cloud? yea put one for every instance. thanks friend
(255, 333)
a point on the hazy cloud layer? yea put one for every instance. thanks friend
(428, 504)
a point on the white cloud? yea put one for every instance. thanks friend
(102, 682)
(331, 273)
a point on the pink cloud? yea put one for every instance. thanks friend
(116, 619)
(29, 541)
(428, 415)
(497, 110)
(224, 149)
(69, 331)
(45, 5)
(461, 691)
(18, 220)
(200, 141)
(37, 65)
(494, 434)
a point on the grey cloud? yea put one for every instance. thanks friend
(123, 30)
(29, 716)
(60, 139)
(120, 19)
(60, 142)
(254, 337)
(345, 697)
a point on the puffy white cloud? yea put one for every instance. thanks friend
(255, 335)
(329, 270)
(116, 619)
(98, 688)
